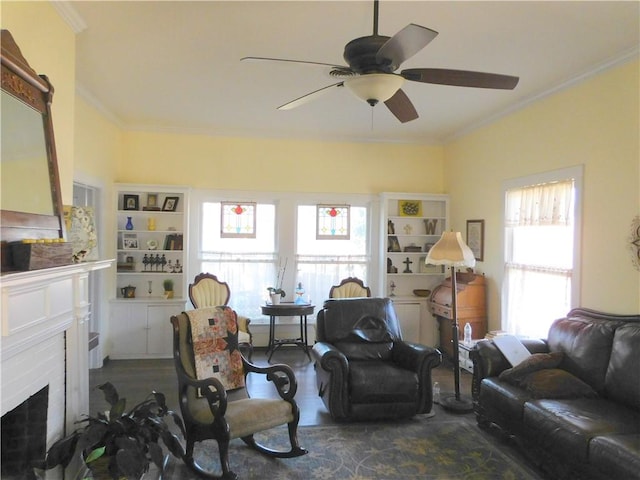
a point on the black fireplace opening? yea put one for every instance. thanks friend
(24, 436)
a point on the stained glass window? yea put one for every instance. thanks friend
(238, 220)
(332, 222)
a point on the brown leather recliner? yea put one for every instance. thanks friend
(364, 370)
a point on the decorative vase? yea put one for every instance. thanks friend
(168, 294)
(129, 225)
(275, 298)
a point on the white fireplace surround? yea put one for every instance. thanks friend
(38, 308)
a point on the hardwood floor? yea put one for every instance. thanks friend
(135, 379)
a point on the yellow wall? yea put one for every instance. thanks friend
(594, 124)
(279, 165)
(48, 44)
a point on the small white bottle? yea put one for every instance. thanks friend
(467, 333)
(436, 392)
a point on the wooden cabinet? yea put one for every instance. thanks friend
(471, 306)
(151, 248)
(410, 223)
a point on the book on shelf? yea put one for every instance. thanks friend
(173, 241)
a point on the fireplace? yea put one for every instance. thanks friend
(44, 359)
(24, 436)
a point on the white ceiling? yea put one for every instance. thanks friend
(174, 66)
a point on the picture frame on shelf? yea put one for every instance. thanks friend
(130, 202)
(410, 208)
(170, 204)
(475, 238)
(130, 241)
(152, 202)
(393, 244)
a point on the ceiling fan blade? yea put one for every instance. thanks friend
(401, 107)
(461, 78)
(404, 45)
(308, 97)
(286, 60)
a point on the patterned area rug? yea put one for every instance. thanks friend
(410, 449)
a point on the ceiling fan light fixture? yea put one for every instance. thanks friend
(375, 87)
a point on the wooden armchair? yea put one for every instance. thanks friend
(207, 291)
(350, 287)
(219, 407)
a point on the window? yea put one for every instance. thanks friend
(322, 263)
(541, 251)
(248, 265)
(286, 229)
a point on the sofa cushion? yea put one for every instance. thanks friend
(535, 362)
(586, 344)
(381, 382)
(622, 382)
(365, 350)
(503, 398)
(616, 455)
(555, 383)
(567, 426)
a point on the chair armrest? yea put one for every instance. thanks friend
(415, 356)
(330, 358)
(420, 359)
(211, 388)
(280, 375)
(332, 373)
(243, 324)
(488, 360)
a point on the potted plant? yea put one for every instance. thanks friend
(122, 443)
(276, 293)
(168, 287)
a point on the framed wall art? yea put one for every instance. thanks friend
(475, 238)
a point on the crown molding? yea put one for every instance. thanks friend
(627, 56)
(69, 15)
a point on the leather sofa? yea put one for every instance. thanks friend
(573, 406)
(364, 370)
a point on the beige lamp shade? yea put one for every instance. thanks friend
(451, 250)
(375, 87)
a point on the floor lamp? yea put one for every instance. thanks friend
(451, 251)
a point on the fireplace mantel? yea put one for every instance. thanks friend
(44, 340)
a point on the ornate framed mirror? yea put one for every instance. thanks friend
(31, 202)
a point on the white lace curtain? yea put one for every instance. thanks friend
(538, 270)
(546, 204)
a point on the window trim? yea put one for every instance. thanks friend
(575, 172)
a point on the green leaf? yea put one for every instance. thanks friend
(95, 454)
(117, 409)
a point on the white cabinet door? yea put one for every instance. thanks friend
(409, 315)
(128, 330)
(159, 329)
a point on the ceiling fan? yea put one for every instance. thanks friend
(372, 61)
